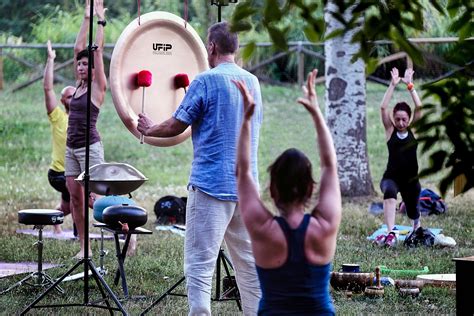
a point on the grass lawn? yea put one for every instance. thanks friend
(24, 161)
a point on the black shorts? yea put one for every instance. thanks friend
(58, 181)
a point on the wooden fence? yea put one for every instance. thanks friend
(301, 49)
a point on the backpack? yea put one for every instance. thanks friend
(428, 203)
(420, 237)
(170, 210)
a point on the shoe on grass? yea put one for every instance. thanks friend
(444, 241)
(380, 240)
(391, 240)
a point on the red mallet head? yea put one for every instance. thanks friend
(181, 81)
(144, 78)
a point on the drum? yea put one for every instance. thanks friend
(115, 216)
(101, 204)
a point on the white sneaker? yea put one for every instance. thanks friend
(444, 241)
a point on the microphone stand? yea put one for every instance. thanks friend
(86, 261)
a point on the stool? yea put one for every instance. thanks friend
(39, 218)
(121, 253)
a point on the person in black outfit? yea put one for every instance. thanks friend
(401, 174)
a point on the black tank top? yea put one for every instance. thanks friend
(76, 130)
(402, 163)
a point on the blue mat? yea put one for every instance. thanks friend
(404, 231)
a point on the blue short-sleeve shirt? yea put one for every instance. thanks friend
(213, 106)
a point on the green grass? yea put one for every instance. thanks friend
(25, 157)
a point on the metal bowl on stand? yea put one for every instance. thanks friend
(113, 179)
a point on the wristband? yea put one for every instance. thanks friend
(410, 86)
(103, 23)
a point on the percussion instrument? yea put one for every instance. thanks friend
(113, 178)
(117, 216)
(101, 204)
(166, 46)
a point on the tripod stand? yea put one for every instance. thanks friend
(86, 262)
(231, 293)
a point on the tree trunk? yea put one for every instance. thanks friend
(345, 108)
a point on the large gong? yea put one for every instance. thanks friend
(164, 45)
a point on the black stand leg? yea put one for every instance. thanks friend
(223, 260)
(100, 283)
(168, 292)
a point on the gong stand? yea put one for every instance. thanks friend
(86, 262)
(219, 4)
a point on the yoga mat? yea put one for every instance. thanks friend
(404, 231)
(65, 235)
(177, 229)
(12, 268)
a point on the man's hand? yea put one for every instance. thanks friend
(144, 123)
(249, 103)
(51, 51)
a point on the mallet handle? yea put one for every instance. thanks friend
(143, 111)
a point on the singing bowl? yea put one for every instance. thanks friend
(113, 178)
(413, 292)
(164, 45)
(409, 284)
(355, 282)
(133, 215)
(101, 204)
(374, 291)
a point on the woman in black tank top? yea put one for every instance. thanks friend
(401, 174)
(293, 252)
(76, 141)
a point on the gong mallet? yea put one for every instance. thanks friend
(181, 81)
(143, 80)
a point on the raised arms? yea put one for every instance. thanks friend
(48, 80)
(328, 209)
(384, 110)
(100, 80)
(408, 80)
(254, 213)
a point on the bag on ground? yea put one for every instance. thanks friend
(170, 210)
(429, 203)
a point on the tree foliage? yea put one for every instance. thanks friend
(450, 119)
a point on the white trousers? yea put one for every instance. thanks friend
(209, 221)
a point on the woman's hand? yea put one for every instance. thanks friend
(395, 76)
(51, 51)
(99, 9)
(408, 78)
(310, 100)
(249, 103)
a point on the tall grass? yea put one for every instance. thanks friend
(25, 157)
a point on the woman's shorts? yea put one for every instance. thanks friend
(76, 158)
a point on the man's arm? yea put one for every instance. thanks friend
(169, 128)
(48, 80)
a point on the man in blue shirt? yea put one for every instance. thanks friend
(213, 106)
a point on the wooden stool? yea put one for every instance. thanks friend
(39, 218)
